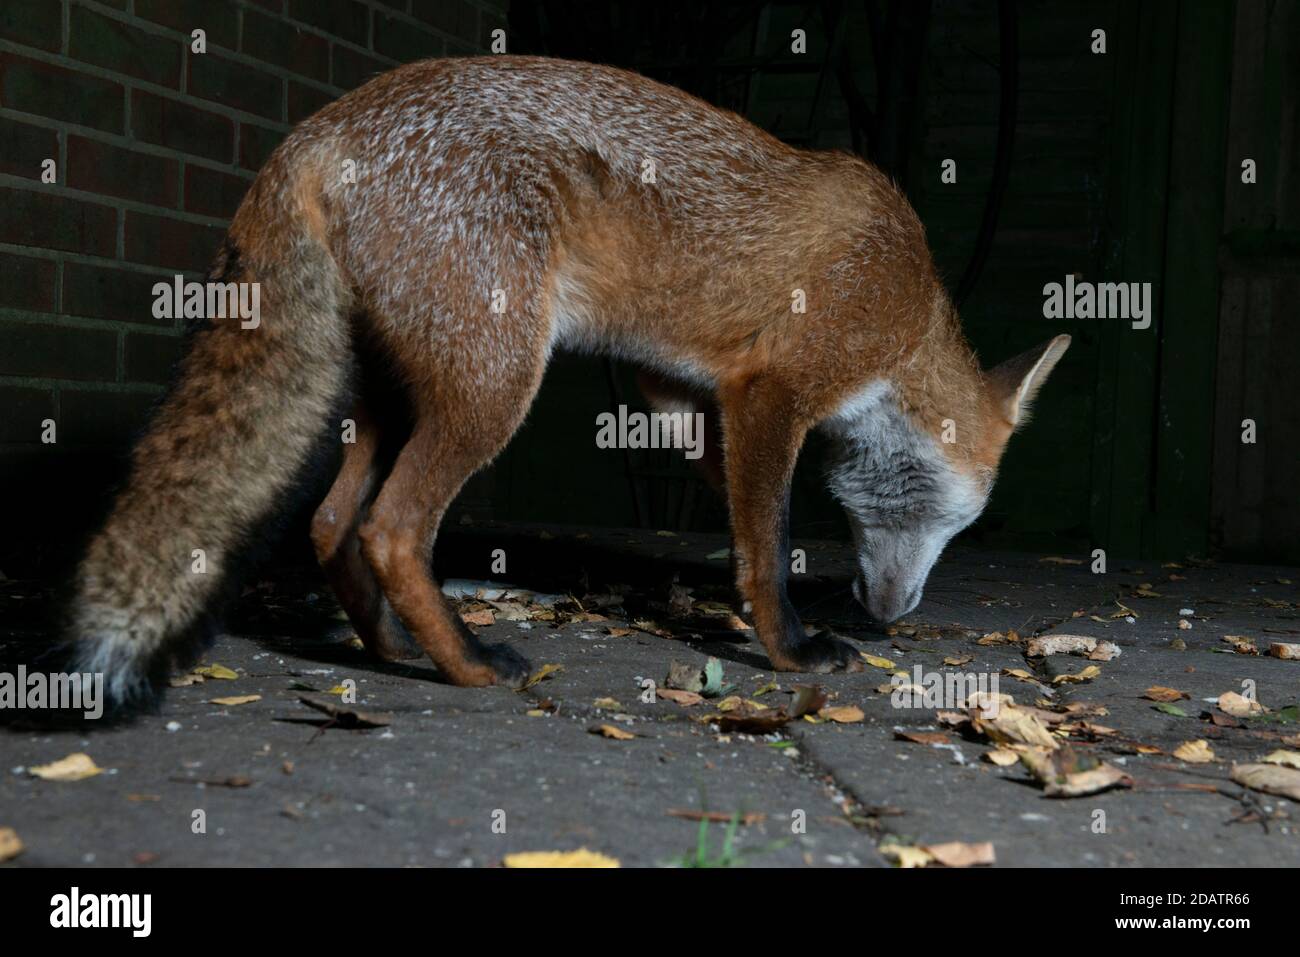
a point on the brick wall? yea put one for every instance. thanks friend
(153, 145)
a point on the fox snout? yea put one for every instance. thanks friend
(887, 601)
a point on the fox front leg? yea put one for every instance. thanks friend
(763, 438)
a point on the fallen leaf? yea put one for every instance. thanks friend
(1290, 759)
(1241, 644)
(579, 858)
(482, 617)
(610, 731)
(236, 700)
(877, 662)
(220, 672)
(807, 700)
(607, 704)
(1269, 778)
(1012, 725)
(1072, 645)
(961, 854)
(1087, 674)
(1234, 704)
(1058, 560)
(958, 660)
(10, 844)
(1173, 709)
(345, 717)
(541, 674)
(844, 714)
(1068, 773)
(1285, 649)
(924, 737)
(684, 676)
(677, 696)
(1161, 693)
(184, 681)
(75, 767)
(620, 632)
(905, 855)
(1195, 752)
(1002, 757)
(749, 721)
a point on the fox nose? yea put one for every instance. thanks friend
(887, 602)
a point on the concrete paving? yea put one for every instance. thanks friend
(460, 777)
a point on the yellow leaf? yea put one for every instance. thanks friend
(607, 704)
(1087, 674)
(1002, 757)
(236, 700)
(10, 844)
(1239, 707)
(905, 856)
(579, 858)
(1290, 759)
(961, 854)
(610, 731)
(339, 689)
(877, 662)
(1195, 752)
(216, 671)
(74, 767)
(844, 714)
(541, 674)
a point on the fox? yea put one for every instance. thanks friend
(452, 224)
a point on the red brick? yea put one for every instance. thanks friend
(47, 90)
(351, 68)
(171, 243)
(102, 168)
(218, 19)
(150, 358)
(33, 23)
(33, 218)
(213, 77)
(57, 352)
(306, 100)
(102, 292)
(25, 410)
(255, 144)
(180, 126)
(213, 193)
(116, 45)
(26, 147)
(285, 44)
(26, 283)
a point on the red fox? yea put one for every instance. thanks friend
(456, 222)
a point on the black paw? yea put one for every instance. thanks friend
(821, 653)
(510, 668)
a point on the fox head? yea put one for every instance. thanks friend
(909, 479)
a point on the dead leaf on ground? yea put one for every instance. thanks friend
(905, 855)
(961, 854)
(958, 660)
(1058, 560)
(684, 676)
(607, 704)
(482, 617)
(1290, 759)
(75, 767)
(1087, 674)
(347, 718)
(236, 700)
(750, 721)
(1239, 707)
(579, 858)
(684, 698)
(1067, 773)
(807, 700)
(11, 844)
(611, 731)
(1241, 644)
(1002, 757)
(541, 674)
(220, 672)
(877, 662)
(843, 714)
(1285, 649)
(924, 737)
(1161, 693)
(717, 817)
(1195, 752)
(1081, 645)
(1269, 778)
(1012, 725)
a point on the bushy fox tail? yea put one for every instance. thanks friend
(233, 434)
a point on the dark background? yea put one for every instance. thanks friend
(1120, 166)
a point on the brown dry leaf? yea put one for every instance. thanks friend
(1067, 773)
(1087, 674)
(1285, 649)
(347, 718)
(481, 617)
(808, 699)
(1072, 645)
(716, 817)
(924, 737)
(620, 632)
(541, 674)
(1290, 759)
(961, 854)
(236, 700)
(749, 721)
(1161, 693)
(1002, 757)
(1269, 778)
(184, 681)
(1020, 674)
(684, 698)
(1013, 725)
(611, 731)
(842, 714)
(579, 858)
(995, 638)
(1058, 560)
(607, 704)
(1195, 752)
(1241, 644)
(1234, 704)
(75, 767)
(684, 676)
(958, 660)
(11, 844)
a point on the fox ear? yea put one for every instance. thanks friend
(1015, 382)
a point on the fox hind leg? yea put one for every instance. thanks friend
(334, 531)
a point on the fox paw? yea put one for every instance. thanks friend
(821, 653)
(508, 667)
